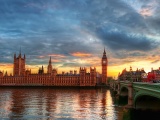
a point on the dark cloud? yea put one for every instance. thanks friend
(68, 26)
(119, 27)
(123, 54)
(154, 23)
(75, 65)
(121, 40)
(152, 20)
(137, 54)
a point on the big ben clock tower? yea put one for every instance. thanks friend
(104, 67)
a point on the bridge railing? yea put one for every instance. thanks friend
(149, 86)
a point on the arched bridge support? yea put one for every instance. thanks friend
(130, 95)
(129, 86)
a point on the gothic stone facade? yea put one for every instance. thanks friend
(22, 77)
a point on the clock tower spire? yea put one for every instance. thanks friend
(104, 67)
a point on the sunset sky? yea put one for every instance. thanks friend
(75, 32)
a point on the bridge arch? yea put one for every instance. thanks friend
(123, 87)
(147, 100)
(124, 91)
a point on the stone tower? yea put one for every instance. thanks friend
(82, 73)
(104, 67)
(92, 76)
(19, 65)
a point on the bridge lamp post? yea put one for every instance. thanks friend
(131, 78)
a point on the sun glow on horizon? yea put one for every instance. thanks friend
(81, 54)
(75, 60)
(113, 71)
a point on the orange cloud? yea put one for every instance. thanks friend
(41, 56)
(146, 12)
(56, 60)
(57, 55)
(6, 65)
(80, 54)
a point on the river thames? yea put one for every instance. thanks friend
(61, 104)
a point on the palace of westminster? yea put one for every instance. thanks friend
(23, 77)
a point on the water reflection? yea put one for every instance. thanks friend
(71, 104)
(5, 103)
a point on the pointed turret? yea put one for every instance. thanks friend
(42, 67)
(15, 56)
(130, 68)
(50, 61)
(50, 66)
(6, 74)
(20, 52)
(119, 74)
(137, 70)
(104, 54)
(104, 51)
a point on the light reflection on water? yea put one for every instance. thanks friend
(56, 103)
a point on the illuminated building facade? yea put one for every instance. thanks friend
(22, 77)
(136, 76)
(154, 75)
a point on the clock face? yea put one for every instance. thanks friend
(104, 61)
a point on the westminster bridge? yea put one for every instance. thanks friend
(141, 95)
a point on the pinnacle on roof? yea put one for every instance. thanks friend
(50, 60)
(104, 51)
(20, 52)
(104, 54)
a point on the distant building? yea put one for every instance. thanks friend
(23, 77)
(135, 76)
(154, 75)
